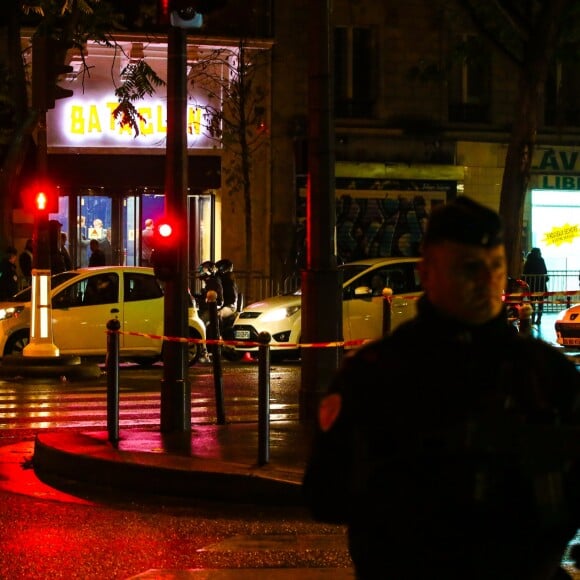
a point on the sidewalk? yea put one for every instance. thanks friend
(218, 462)
(222, 463)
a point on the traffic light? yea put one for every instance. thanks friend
(41, 235)
(165, 254)
(48, 57)
(44, 199)
(41, 201)
(187, 13)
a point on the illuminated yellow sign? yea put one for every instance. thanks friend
(561, 235)
(91, 122)
(87, 119)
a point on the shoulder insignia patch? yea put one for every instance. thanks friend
(329, 410)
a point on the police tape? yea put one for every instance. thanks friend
(516, 296)
(244, 343)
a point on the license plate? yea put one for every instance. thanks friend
(241, 334)
(571, 341)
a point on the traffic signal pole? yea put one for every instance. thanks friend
(41, 337)
(175, 386)
(48, 56)
(321, 286)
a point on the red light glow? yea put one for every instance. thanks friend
(165, 230)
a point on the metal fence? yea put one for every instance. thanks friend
(565, 281)
(256, 286)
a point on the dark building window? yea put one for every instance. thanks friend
(469, 83)
(562, 95)
(353, 94)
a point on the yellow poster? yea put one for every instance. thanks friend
(561, 235)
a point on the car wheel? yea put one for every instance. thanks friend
(16, 343)
(194, 349)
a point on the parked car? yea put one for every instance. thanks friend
(567, 327)
(84, 300)
(362, 306)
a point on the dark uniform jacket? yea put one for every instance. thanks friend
(444, 449)
(8, 279)
(230, 290)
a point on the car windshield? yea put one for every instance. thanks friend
(349, 271)
(56, 280)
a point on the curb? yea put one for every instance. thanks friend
(69, 366)
(92, 460)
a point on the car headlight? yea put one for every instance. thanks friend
(279, 314)
(11, 312)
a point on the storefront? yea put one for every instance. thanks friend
(110, 198)
(382, 209)
(111, 177)
(554, 207)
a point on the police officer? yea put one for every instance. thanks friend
(8, 274)
(441, 445)
(225, 272)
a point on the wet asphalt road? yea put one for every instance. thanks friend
(47, 533)
(72, 532)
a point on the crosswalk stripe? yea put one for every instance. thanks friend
(49, 410)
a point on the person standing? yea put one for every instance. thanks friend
(535, 274)
(64, 251)
(82, 242)
(450, 461)
(8, 274)
(147, 239)
(225, 272)
(97, 257)
(25, 263)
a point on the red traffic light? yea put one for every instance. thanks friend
(165, 230)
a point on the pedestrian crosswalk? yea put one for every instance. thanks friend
(59, 407)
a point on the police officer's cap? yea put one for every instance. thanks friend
(466, 222)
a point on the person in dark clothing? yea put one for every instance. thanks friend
(207, 273)
(225, 272)
(68, 265)
(455, 467)
(8, 274)
(25, 263)
(97, 257)
(535, 274)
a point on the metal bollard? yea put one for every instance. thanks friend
(264, 398)
(526, 319)
(112, 366)
(387, 306)
(216, 352)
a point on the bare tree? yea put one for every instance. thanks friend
(531, 34)
(235, 116)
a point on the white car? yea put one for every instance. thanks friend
(568, 328)
(362, 306)
(84, 300)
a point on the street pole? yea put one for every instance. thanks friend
(41, 335)
(175, 387)
(321, 285)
